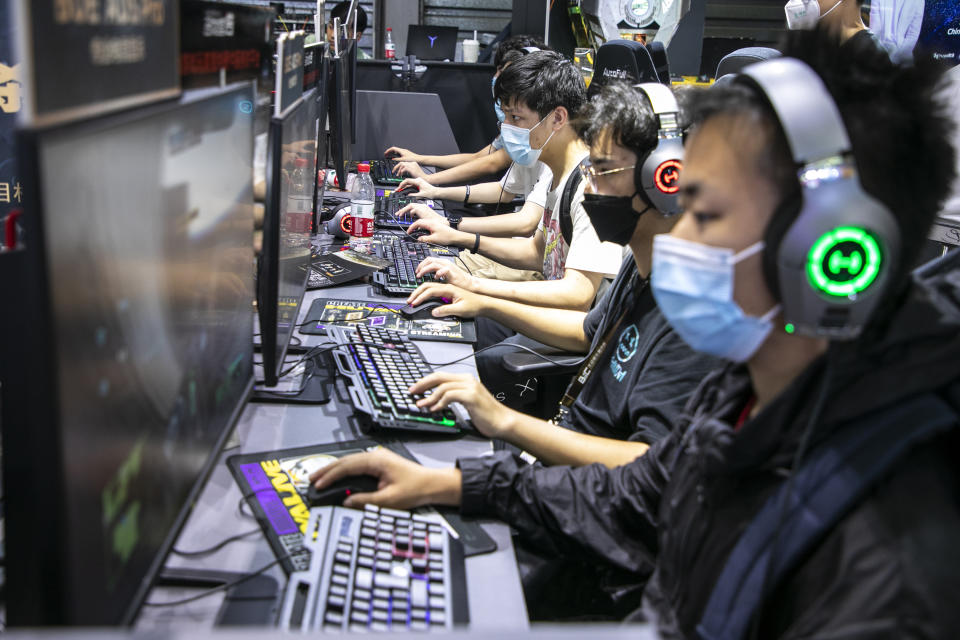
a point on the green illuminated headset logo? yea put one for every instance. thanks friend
(844, 262)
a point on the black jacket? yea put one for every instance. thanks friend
(889, 569)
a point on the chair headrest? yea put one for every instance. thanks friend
(622, 60)
(735, 61)
(658, 53)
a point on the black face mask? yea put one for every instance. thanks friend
(612, 217)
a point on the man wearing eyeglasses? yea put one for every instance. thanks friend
(638, 373)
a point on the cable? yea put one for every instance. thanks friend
(216, 547)
(219, 588)
(522, 347)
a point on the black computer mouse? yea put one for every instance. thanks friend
(423, 310)
(406, 190)
(335, 494)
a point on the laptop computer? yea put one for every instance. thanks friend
(431, 43)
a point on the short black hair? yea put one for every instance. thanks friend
(898, 128)
(621, 112)
(340, 11)
(512, 49)
(543, 81)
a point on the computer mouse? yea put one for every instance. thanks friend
(335, 494)
(423, 310)
(407, 189)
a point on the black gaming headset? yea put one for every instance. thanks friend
(657, 173)
(830, 252)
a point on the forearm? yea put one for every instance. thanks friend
(555, 445)
(445, 162)
(482, 166)
(607, 513)
(559, 294)
(519, 253)
(560, 328)
(521, 223)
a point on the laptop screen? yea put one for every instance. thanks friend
(431, 43)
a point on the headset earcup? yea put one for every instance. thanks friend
(784, 216)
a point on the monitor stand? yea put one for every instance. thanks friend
(254, 601)
(316, 389)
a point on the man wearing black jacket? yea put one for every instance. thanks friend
(889, 567)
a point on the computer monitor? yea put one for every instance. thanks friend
(285, 258)
(137, 288)
(940, 31)
(313, 55)
(323, 101)
(431, 43)
(350, 53)
(341, 118)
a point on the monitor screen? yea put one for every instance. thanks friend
(940, 31)
(431, 42)
(351, 65)
(291, 180)
(148, 223)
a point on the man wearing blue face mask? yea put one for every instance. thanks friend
(812, 493)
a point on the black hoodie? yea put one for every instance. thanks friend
(889, 568)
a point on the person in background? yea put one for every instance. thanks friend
(896, 23)
(339, 11)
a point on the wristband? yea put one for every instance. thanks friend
(466, 196)
(476, 243)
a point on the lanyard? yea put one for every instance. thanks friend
(586, 369)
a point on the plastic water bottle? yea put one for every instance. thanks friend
(389, 49)
(361, 210)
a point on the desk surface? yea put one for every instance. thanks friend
(493, 585)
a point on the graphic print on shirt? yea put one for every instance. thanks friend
(626, 349)
(555, 248)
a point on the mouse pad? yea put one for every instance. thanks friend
(345, 313)
(275, 485)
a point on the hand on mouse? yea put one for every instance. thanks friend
(403, 484)
(463, 304)
(488, 414)
(450, 272)
(400, 154)
(438, 231)
(409, 169)
(420, 188)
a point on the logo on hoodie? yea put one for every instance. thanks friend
(626, 349)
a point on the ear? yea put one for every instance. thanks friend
(560, 117)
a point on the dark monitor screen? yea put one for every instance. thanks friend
(323, 102)
(431, 43)
(313, 55)
(340, 118)
(291, 180)
(940, 31)
(148, 221)
(351, 65)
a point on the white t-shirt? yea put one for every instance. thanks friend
(531, 182)
(896, 23)
(585, 251)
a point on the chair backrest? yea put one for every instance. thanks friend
(622, 60)
(735, 61)
(658, 53)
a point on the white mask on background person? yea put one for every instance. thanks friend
(804, 14)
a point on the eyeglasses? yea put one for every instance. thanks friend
(590, 173)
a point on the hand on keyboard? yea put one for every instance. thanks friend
(403, 484)
(448, 271)
(421, 188)
(421, 211)
(409, 169)
(490, 416)
(400, 155)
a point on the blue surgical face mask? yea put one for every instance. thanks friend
(516, 140)
(693, 286)
(496, 103)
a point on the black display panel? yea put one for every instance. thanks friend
(341, 117)
(147, 220)
(940, 32)
(285, 262)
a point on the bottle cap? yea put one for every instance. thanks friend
(389, 29)
(363, 167)
(300, 162)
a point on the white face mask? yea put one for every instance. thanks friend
(804, 14)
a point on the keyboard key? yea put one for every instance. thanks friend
(390, 581)
(364, 578)
(418, 593)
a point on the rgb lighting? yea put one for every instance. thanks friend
(667, 176)
(844, 262)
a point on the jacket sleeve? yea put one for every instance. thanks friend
(609, 513)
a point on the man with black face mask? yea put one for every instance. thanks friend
(638, 373)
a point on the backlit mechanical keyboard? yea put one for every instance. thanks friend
(376, 570)
(381, 172)
(380, 365)
(400, 278)
(386, 216)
